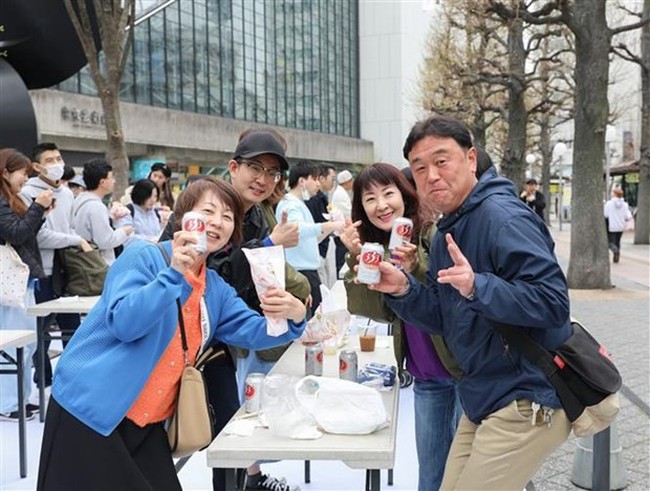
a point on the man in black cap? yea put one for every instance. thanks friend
(533, 198)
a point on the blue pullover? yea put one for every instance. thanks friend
(518, 281)
(111, 356)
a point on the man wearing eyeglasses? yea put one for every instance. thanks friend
(256, 170)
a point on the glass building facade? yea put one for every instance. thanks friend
(291, 63)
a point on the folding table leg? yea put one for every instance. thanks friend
(40, 334)
(390, 477)
(21, 413)
(307, 471)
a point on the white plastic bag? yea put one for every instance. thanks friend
(342, 407)
(267, 270)
(282, 412)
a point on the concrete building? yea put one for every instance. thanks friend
(201, 71)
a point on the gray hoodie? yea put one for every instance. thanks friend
(56, 232)
(90, 220)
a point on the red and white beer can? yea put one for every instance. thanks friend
(401, 233)
(372, 254)
(253, 392)
(195, 222)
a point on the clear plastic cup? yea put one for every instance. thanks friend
(367, 336)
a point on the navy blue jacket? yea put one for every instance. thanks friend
(518, 281)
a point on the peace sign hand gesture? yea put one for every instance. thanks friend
(460, 275)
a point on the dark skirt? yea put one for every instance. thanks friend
(74, 456)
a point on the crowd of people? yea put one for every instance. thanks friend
(480, 254)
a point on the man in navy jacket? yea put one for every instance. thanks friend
(491, 261)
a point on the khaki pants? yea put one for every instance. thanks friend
(505, 450)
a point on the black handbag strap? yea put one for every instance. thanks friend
(179, 307)
(545, 361)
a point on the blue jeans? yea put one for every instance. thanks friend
(437, 412)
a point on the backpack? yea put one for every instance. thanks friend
(76, 272)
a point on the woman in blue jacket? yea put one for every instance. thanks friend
(117, 380)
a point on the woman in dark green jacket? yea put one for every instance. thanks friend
(382, 194)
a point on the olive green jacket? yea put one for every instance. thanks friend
(370, 303)
(295, 283)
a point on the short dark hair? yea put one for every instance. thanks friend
(68, 172)
(383, 175)
(188, 199)
(324, 169)
(94, 171)
(302, 169)
(440, 126)
(142, 191)
(531, 181)
(40, 148)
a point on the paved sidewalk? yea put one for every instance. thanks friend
(620, 319)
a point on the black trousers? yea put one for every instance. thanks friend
(67, 322)
(314, 284)
(221, 381)
(614, 239)
(74, 456)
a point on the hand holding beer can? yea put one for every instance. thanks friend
(401, 233)
(195, 222)
(368, 272)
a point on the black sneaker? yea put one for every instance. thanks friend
(13, 416)
(32, 408)
(262, 482)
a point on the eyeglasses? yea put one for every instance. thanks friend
(258, 171)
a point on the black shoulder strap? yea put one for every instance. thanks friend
(131, 209)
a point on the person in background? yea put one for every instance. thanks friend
(491, 260)
(319, 208)
(128, 351)
(341, 203)
(77, 185)
(161, 175)
(143, 216)
(381, 195)
(56, 233)
(19, 224)
(534, 198)
(617, 213)
(305, 257)
(90, 217)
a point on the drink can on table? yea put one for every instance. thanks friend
(348, 365)
(372, 254)
(401, 233)
(253, 392)
(314, 360)
(194, 221)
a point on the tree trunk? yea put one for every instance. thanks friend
(589, 260)
(642, 222)
(513, 161)
(116, 149)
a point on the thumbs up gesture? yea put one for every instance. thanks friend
(460, 275)
(286, 233)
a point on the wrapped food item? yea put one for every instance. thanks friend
(331, 319)
(267, 270)
(377, 374)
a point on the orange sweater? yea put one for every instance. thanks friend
(157, 401)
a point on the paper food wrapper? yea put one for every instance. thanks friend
(331, 319)
(267, 270)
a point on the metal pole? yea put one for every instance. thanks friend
(561, 196)
(600, 477)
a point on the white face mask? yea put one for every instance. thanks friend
(54, 172)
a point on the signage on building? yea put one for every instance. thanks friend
(82, 118)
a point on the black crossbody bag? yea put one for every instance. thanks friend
(582, 372)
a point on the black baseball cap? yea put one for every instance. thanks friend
(258, 143)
